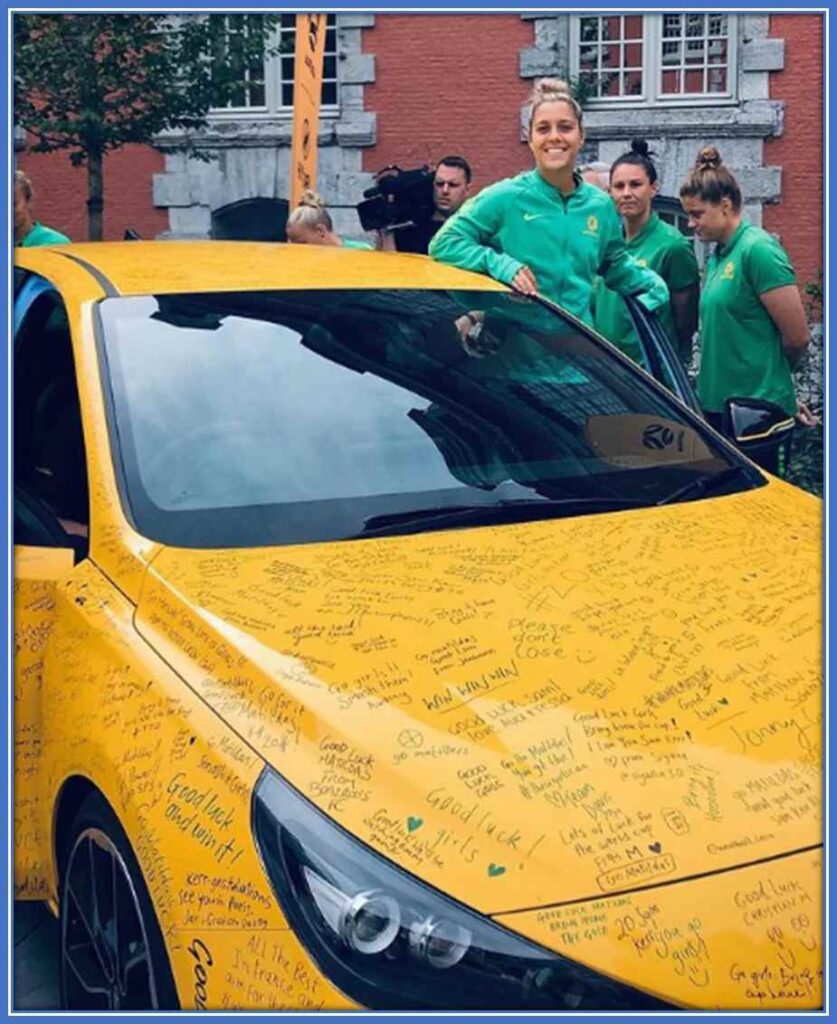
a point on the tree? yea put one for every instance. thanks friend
(92, 83)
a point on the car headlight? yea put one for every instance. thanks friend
(389, 941)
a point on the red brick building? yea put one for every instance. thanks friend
(408, 88)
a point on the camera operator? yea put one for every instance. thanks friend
(451, 185)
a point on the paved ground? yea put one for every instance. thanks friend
(36, 985)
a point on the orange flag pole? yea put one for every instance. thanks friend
(308, 82)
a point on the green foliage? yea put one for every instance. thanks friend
(813, 298)
(95, 82)
(807, 459)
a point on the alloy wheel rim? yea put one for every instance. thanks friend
(105, 956)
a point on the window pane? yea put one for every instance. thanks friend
(671, 82)
(610, 84)
(718, 80)
(588, 56)
(589, 29)
(695, 52)
(611, 28)
(672, 25)
(694, 82)
(672, 52)
(694, 24)
(633, 55)
(717, 51)
(610, 56)
(633, 27)
(633, 83)
(588, 81)
(717, 25)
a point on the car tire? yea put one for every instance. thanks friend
(112, 952)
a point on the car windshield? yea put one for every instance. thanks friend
(244, 419)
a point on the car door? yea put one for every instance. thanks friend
(661, 359)
(50, 523)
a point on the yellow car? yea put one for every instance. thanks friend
(385, 639)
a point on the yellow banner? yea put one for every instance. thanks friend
(308, 81)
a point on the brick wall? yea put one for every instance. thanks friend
(469, 64)
(798, 216)
(61, 192)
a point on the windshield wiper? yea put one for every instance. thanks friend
(507, 510)
(703, 484)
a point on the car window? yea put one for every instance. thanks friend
(50, 472)
(290, 417)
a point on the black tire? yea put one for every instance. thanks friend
(112, 951)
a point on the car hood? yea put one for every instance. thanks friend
(533, 713)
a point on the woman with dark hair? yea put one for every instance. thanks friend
(547, 230)
(654, 244)
(752, 323)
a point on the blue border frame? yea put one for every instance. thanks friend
(399, 6)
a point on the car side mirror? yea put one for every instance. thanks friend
(747, 421)
(756, 426)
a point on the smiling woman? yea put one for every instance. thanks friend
(546, 230)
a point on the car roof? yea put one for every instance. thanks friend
(170, 267)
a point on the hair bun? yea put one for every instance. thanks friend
(640, 147)
(311, 198)
(552, 87)
(708, 158)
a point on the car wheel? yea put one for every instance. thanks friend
(112, 951)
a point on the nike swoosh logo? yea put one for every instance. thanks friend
(532, 216)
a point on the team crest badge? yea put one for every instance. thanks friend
(729, 271)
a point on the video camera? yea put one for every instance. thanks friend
(398, 198)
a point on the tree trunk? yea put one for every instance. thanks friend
(95, 195)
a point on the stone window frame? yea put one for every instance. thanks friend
(275, 79)
(652, 43)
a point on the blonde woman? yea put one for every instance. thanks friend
(547, 230)
(310, 224)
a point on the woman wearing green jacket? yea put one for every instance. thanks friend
(655, 244)
(753, 329)
(546, 230)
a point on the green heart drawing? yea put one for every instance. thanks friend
(495, 869)
(414, 823)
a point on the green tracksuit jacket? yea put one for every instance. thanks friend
(564, 240)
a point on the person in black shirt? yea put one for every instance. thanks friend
(451, 185)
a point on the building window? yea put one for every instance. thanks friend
(670, 210)
(610, 56)
(694, 55)
(230, 35)
(654, 58)
(267, 84)
(329, 93)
